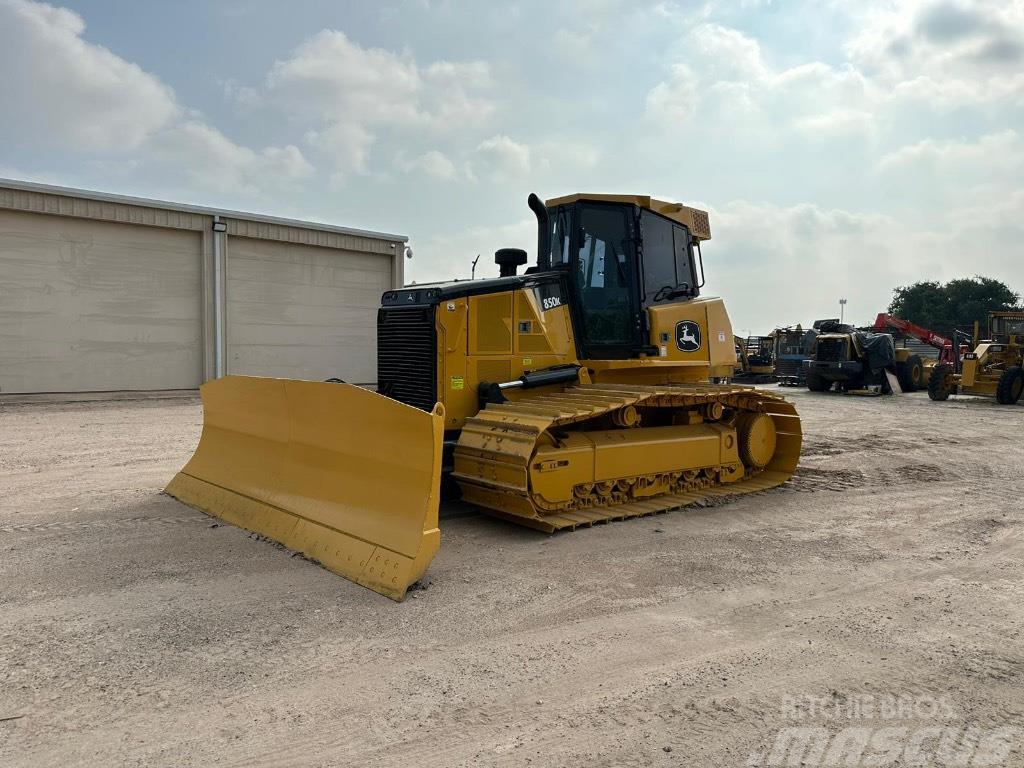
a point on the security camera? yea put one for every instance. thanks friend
(408, 252)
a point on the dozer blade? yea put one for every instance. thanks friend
(348, 477)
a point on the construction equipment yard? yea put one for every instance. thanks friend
(135, 630)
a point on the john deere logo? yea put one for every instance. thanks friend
(688, 336)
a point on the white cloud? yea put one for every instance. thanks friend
(995, 154)
(943, 176)
(952, 208)
(453, 95)
(64, 94)
(945, 52)
(351, 93)
(894, 157)
(329, 76)
(806, 257)
(347, 144)
(576, 46)
(837, 124)
(675, 99)
(448, 255)
(58, 88)
(39, 177)
(564, 157)
(501, 157)
(729, 83)
(215, 162)
(906, 61)
(724, 54)
(433, 163)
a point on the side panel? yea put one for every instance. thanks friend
(490, 324)
(969, 372)
(497, 338)
(694, 342)
(723, 353)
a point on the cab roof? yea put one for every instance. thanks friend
(693, 219)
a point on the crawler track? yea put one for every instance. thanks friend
(497, 457)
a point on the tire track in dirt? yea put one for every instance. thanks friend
(839, 479)
(649, 650)
(101, 525)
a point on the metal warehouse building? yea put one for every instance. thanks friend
(103, 292)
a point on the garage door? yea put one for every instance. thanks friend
(96, 306)
(303, 312)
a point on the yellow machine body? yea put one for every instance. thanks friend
(495, 337)
(914, 369)
(485, 379)
(501, 336)
(992, 369)
(670, 364)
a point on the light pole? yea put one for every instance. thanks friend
(842, 309)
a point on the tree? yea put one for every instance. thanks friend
(958, 303)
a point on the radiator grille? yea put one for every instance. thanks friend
(789, 367)
(407, 355)
(831, 350)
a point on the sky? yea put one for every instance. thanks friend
(842, 147)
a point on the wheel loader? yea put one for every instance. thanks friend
(994, 369)
(849, 359)
(574, 393)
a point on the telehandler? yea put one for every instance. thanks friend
(912, 369)
(572, 394)
(993, 369)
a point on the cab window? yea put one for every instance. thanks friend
(603, 277)
(685, 272)
(659, 255)
(559, 223)
(667, 267)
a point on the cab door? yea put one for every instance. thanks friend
(604, 280)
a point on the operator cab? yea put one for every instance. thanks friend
(621, 254)
(1006, 327)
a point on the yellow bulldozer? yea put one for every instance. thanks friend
(574, 393)
(994, 369)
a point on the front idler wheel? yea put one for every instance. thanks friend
(757, 438)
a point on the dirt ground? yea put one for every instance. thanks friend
(133, 631)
